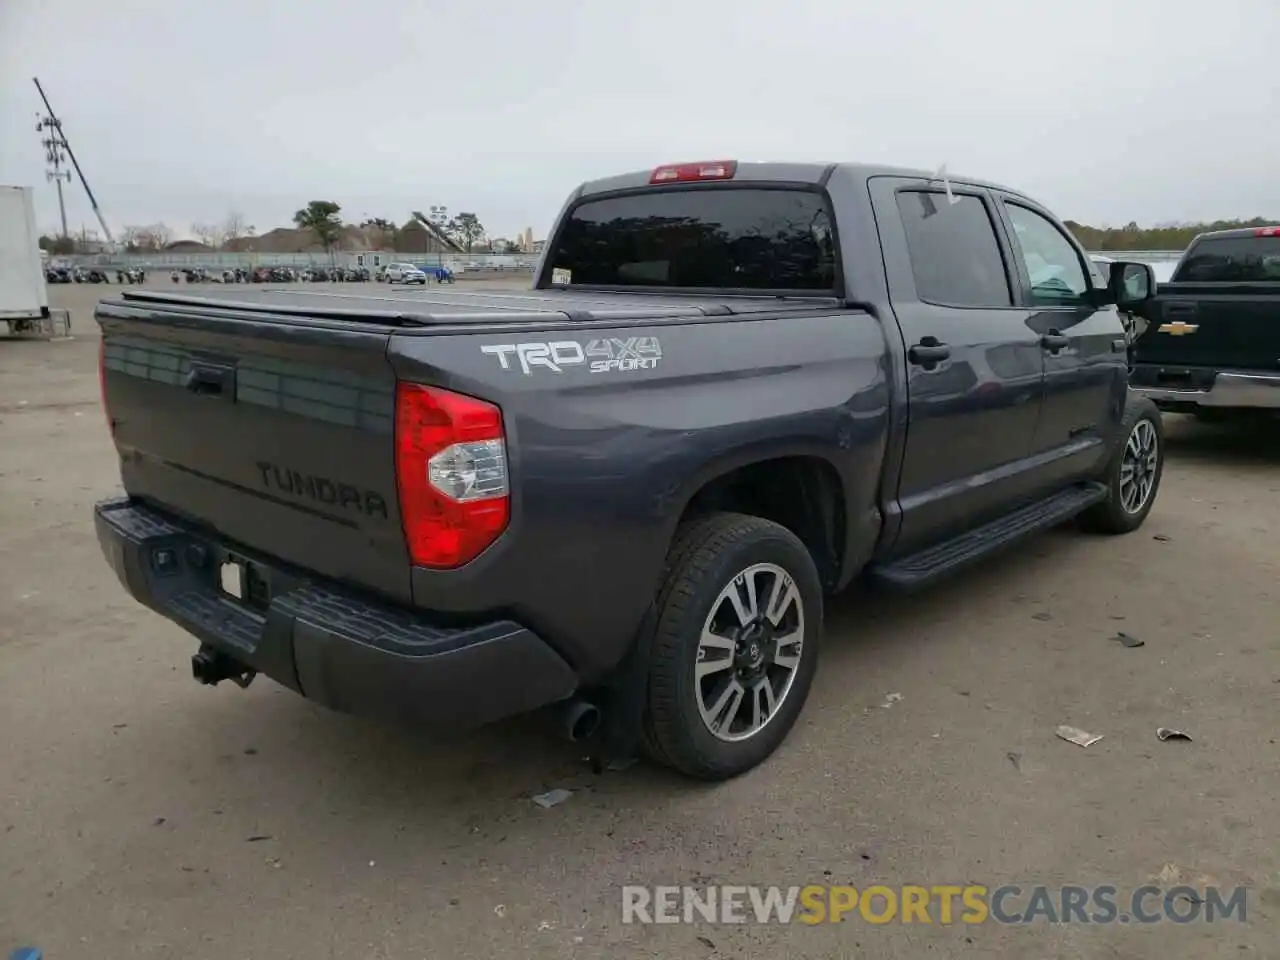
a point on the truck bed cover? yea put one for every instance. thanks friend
(422, 308)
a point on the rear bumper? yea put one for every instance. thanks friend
(1235, 389)
(342, 650)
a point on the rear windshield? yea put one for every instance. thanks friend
(1233, 258)
(734, 238)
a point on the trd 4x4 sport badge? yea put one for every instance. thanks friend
(600, 355)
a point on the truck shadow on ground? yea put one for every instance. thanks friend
(268, 751)
(275, 750)
(1244, 444)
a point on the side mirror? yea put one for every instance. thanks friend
(1131, 284)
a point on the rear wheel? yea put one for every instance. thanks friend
(1133, 472)
(735, 647)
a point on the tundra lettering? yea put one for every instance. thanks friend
(322, 490)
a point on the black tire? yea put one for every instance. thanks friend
(1111, 516)
(706, 557)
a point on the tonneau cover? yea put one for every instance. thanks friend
(403, 307)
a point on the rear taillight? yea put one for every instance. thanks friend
(687, 172)
(1267, 232)
(451, 470)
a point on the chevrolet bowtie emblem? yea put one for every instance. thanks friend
(1178, 328)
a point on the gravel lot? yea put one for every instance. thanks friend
(144, 816)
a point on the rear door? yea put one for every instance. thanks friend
(1083, 345)
(277, 435)
(975, 373)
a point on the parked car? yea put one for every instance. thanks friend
(413, 276)
(628, 489)
(396, 272)
(1212, 343)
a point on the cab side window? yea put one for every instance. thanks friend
(1058, 277)
(955, 256)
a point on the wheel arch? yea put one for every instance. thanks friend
(798, 487)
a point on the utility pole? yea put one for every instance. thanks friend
(55, 156)
(50, 121)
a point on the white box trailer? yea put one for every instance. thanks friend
(24, 299)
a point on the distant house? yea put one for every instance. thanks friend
(188, 246)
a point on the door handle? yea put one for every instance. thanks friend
(210, 380)
(928, 353)
(1180, 310)
(1053, 341)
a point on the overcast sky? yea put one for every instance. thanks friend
(1108, 111)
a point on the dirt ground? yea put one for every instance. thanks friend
(144, 816)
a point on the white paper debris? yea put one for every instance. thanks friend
(552, 797)
(1077, 736)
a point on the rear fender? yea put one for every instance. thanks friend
(853, 534)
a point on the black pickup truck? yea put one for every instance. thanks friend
(732, 389)
(1212, 342)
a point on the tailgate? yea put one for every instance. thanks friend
(276, 434)
(1228, 326)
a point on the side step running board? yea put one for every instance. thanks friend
(943, 559)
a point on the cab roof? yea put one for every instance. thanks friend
(791, 172)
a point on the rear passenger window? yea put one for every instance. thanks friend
(955, 257)
(1057, 275)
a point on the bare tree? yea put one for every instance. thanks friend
(154, 236)
(211, 235)
(161, 235)
(235, 227)
(132, 237)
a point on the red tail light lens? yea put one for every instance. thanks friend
(451, 470)
(687, 172)
(1267, 232)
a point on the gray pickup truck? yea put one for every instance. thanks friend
(732, 389)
